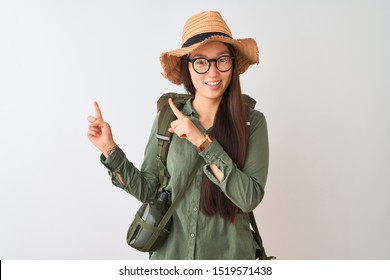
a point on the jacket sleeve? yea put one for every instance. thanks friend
(142, 184)
(245, 187)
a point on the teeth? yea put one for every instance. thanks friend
(212, 83)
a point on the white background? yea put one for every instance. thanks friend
(323, 84)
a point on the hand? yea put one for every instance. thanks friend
(99, 132)
(184, 127)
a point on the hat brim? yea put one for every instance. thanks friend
(247, 53)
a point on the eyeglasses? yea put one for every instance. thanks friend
(202, 65)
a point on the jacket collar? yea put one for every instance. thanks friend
(188, 110)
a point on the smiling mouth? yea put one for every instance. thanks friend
(212, 83)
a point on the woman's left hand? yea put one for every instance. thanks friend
(184, 127)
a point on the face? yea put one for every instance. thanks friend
(213, 83)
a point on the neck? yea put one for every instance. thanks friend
(206, 109)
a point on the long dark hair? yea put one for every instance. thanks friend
(230, 130)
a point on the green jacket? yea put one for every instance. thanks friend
(195, 235)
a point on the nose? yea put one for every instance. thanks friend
(213, 68)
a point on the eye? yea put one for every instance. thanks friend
(224, 59)
(200, 61)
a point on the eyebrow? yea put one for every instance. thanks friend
(218, 54)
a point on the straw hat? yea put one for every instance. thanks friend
(200, 29)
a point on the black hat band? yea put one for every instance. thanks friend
(201, 37)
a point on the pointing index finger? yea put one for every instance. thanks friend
(97, 110)
(176, 111)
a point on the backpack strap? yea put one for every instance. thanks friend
(163, 135)
(249, 101)
(260, 253)
(167, 216)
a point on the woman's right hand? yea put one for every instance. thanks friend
(99, 132)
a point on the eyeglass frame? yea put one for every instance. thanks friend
(212, 60)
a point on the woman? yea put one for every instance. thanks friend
(211, 221)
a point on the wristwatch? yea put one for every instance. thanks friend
(205, 143)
